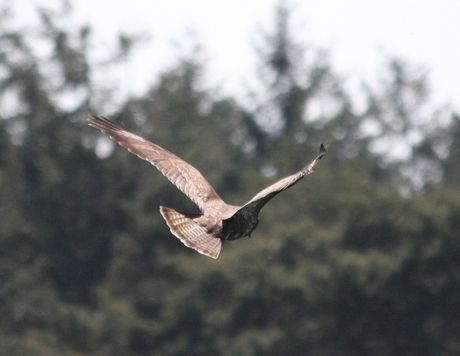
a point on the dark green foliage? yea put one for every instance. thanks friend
(341, 264)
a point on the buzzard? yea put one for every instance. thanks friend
(219, 221)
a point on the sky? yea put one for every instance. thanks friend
(358, 34)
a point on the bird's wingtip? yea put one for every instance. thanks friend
(92, 117)
(103, 124)
(322, 149)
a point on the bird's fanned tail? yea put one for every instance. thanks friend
(191, 233)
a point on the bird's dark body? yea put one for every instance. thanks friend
(219, 221)
(242, 224)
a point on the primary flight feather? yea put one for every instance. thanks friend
(219, 221)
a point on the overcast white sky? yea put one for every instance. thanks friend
(358, 34)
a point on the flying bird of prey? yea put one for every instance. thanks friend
(219, 221)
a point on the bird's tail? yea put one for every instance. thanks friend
(191, 233)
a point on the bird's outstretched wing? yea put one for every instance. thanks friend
(265, 195)
(183, 175)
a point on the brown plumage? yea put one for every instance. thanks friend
(219, 221)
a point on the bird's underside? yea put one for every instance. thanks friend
(219, 221)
